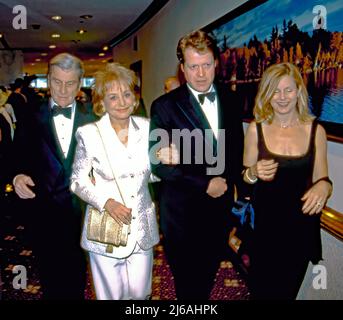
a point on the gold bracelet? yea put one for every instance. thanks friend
(251, 180)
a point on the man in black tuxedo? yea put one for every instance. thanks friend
(45, 152)
(197, 194)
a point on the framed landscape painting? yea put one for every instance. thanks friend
(306, 33)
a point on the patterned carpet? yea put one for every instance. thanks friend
(14, 251)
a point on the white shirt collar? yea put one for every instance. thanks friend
(196, 93)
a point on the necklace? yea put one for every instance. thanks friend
(285, 125)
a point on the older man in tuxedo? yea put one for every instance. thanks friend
(46, 151)
(197, 194)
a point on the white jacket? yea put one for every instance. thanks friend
(131, 167)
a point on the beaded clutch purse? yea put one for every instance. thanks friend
(101, 227)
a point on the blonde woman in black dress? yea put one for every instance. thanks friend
(285, 157)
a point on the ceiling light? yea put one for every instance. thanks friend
(101, 54)
(105, 48)
(56, 18)
(86, 16)
(81, 31)
(43, 54)
(37, 59)
(52, 46)
(55, 35)
(1, 35)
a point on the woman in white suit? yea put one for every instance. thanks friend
(126, 273)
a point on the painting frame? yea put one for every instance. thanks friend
(334, 129)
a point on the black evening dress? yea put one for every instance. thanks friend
(285, 239)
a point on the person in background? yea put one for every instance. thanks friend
(45, 153)
(18, 101)
(285, 156)
(171, 83)
(121, 138)
(82, 97)
(194, 200)
(34, 101)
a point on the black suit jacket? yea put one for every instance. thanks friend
(5, 152)
(40, 156)
(187, 212)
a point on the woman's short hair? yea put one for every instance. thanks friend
(113, 72)
(67, 61)
(199, 41)
(269, 82)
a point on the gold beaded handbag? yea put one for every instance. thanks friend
(101, 227)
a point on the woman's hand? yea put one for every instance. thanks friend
(264, 169)
(315, 198)
(169, 155)
(118, 212)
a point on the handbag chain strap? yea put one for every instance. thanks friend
(108, 159)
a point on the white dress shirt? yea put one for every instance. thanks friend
(209, 108)
(64, 128)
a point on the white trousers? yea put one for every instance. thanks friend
(123, 279)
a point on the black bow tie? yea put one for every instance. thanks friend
(56, 110)
(209, 95)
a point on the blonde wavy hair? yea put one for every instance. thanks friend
(104, 79)
(263, 110)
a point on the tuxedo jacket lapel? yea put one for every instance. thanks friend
(49, 132)
(81, 118)
(187, 105)
(78, 117)
(191, 109)
(221, 105)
